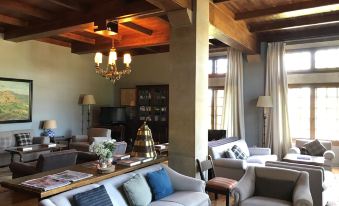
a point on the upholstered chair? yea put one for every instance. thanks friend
(82, 142)
(268, 186)
(49, 161)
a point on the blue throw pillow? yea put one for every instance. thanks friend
(160, 184)
(95, 197)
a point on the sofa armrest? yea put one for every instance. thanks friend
(245, 187)
(294, 150)
(259, 151)
(184, 183)
(301, 194)
(230, 163)
(20, 169)
(329, 154)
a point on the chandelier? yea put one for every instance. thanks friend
(111, 71)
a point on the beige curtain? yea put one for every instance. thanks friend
(278, 132)
(233, 112)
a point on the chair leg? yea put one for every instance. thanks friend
(227, 198)
(215, 196)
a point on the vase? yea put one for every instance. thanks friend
(103, 163)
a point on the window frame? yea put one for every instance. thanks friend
(312, 50)
(313, 87)
(213, 105)
(214, 66)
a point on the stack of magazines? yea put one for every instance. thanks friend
(57, 180)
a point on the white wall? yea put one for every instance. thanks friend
(59, 77)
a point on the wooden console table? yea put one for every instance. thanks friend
(15, 184)
(13, 198)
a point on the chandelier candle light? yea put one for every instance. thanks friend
(111, 72)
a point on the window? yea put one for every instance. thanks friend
(216, 96)
(297, 61)
(314, 59)
(217, 65)
(314, 112)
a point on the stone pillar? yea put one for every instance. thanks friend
(188, 87)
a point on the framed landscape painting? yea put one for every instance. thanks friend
(15, 100)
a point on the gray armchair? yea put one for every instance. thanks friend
(268, 186)
(45, 162)
(82, 142)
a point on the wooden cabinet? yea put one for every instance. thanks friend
(152, 106)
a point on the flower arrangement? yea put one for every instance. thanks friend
(103, 149)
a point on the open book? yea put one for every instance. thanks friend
(55, 181)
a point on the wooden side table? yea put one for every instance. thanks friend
(61, 140)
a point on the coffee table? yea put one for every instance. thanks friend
(304, 159)
(35, 149)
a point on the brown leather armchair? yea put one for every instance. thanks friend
(82, 142)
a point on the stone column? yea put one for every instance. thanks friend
(188, 87)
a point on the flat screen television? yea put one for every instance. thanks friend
(112, 115)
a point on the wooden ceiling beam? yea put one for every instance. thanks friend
(220, 1)
(69, 4)
(72, 21)
(157, 39)
(283, 8)
(12, 21)
(55, 41)
(233, 33)
(301, 33)
(77, 37)
(127, 42)
(327, 17)
(20, 7)
(171, 5)
(137, 28)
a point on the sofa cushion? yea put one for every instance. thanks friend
(23, 139)
(94, 197)
(137, 191)
(304, 151)
(277, 189)
(186, 198)
(315, 148)
(230, 154)
(264, 201)
(160, 184)
(239, 154)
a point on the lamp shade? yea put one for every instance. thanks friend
(49, 124)
(264, 101)
(88, 99)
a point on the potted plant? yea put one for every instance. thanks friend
(105, 151)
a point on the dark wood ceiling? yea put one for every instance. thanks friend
(286, 20)
(144, 26)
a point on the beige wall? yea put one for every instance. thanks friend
(149, 69)
(59, 77)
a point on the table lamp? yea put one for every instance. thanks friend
(264, 102)
(48, 125)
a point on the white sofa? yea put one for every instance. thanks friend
(187, 191)
(329, 155)
(235, 168)
(7, 140)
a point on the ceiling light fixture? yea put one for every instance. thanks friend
(111, 72)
